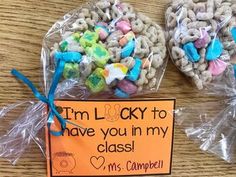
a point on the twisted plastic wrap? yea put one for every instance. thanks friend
(211, 125)
(26, 122)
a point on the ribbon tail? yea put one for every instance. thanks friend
(51, 97)
(50, 121)
(26, 81)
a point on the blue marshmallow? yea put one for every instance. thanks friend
(134, 73)
(191, 52)
(235, 71)
(128, 49)
(214, 50)
(119, 93)
(233, 32)
(68, 57)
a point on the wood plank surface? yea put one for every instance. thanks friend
(23, 24)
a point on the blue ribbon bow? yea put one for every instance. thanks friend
(61, 59)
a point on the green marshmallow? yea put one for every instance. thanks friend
(76, 37)
(71, 71)
(96, 82)
(64, 46)
(88, 39)
(99, 54)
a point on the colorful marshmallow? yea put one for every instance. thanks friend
(114, 71)
(128, 49)
(217, 67)
(134, 73)
(233, 32)
(127, 37)
(214, 50)
(235, 71)
(71, 71)
(88, 39)
(146, 63)
(127, 87)
(69, 42)
(68, 57)
(96, 82)
(191, 52)
(123, 26)
(120, 94)
(99, 54)
(102, 32)
(203, 40)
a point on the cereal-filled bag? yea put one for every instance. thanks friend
(109, 48)
(202, 44)
(103, 49)
(200, 40)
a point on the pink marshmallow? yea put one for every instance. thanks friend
(127, 87)
(123, 26)
(202, 41)
(103, 34)
(217, 67)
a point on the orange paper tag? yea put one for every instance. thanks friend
(119, 138)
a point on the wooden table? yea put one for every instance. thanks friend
(23, 23)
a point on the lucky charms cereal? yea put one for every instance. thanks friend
(108, 48)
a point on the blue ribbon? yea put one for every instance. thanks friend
(50, 99)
